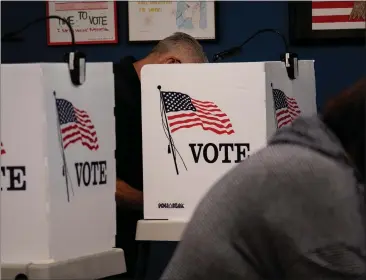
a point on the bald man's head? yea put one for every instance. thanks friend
(179, 48)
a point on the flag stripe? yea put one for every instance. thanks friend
(335, 18)
(331, 4)
(212, 118)
(203, 102)
(228, 132)
(2, 150)
(207, 111)
(201, 121)
(338, 25)
(213, 108)
(331, 12)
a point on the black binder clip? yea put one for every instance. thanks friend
(291, 64)
(76, 62)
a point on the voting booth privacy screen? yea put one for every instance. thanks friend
(57, 163)
(200, 120)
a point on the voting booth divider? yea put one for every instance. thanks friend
(57, 165)
(200, 120)
(0, 196)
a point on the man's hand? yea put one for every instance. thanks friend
(128, 196)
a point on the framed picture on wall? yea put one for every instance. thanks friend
(327, 22)
(93, 22)
(152, 21)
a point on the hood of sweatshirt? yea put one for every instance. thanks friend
(312, 133)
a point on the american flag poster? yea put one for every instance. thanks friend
(2, 149)
(336, 15)
(286, 108)
(76, 126)
(185, 112)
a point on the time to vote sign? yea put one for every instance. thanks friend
(93, 22)
(57, 162)
(201, 120)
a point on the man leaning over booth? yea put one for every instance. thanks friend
(175, 49)
(294, 210)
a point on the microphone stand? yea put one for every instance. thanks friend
(290, 59)
(74, 59)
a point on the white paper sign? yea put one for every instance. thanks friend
(93, 22)
(58, 167)
(155, 20)
(200, 120)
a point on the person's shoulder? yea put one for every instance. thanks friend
(296, 163)
(124, 70)
(124, 62)
(126, 83)
(301, 162)
(284, 170)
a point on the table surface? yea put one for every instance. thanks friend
(160, 230)
(108, 263)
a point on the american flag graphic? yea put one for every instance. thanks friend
(2, 149)
(286, 108)
(76, 126)
(334, 15)
(185, 112)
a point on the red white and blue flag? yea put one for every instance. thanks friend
(76, 126)
(182, 111)
(286, 108)
(336, 15)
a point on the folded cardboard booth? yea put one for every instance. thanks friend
(200, 120)
(58, 172)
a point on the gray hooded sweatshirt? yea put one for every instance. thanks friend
(294, 210)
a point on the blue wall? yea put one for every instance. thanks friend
(336, 67)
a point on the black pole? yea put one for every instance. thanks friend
(64, 167)
(274, 107)
(169, 134)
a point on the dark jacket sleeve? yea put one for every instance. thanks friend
(296, 217)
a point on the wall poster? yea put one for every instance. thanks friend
(93, 22)
(155, 20)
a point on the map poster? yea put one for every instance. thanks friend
(155, 20)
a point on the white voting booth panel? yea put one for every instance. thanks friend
(0, 196)
(199, 120)
(57, 163)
